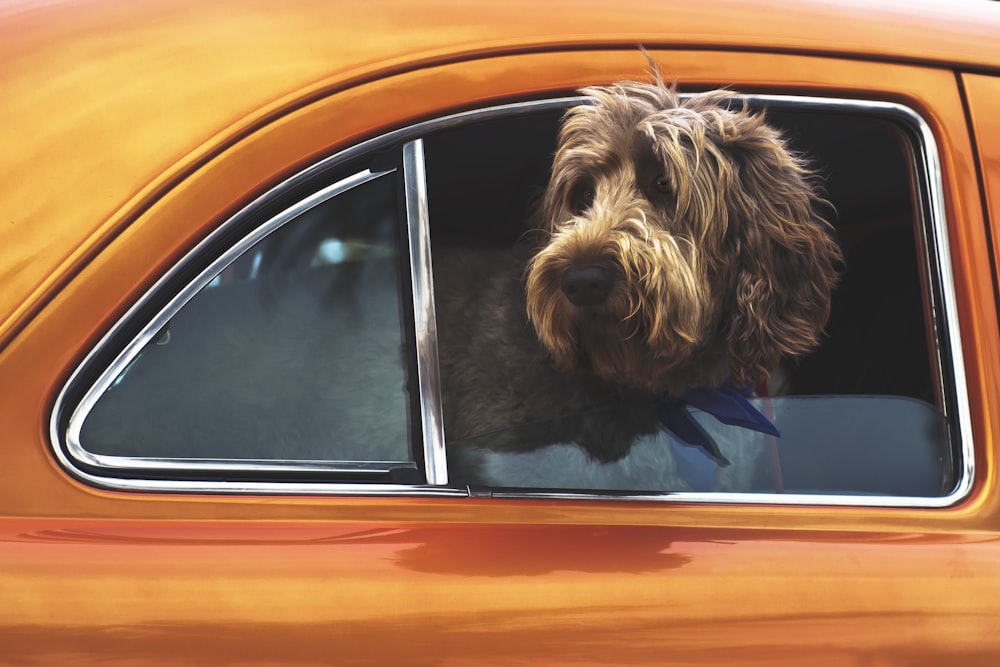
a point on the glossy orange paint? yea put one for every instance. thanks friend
(169, 83)
(983, 93)
(165, 117)
(490, 594)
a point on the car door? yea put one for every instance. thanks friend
(186, 501)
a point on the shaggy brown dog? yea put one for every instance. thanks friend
(681, 249)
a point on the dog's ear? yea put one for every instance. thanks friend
(786, 259)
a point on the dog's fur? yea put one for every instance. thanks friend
(681, 245)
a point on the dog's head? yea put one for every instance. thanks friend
(682, 243)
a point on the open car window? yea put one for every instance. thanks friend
(871, 412)
(296, 349)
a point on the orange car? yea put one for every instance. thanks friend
(221, 419)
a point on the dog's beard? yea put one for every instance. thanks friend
(657, 314)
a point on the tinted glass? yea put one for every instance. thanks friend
(867, 445)
(296, 351)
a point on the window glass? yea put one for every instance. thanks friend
(837, 445)
(296, 351)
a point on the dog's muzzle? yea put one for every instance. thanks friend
(588, 285)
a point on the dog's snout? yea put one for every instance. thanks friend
(587, 285)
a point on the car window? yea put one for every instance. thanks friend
(301, 342)
(297, 351)
(862, 414)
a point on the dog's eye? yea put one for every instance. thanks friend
(581, 198)
(662, 185)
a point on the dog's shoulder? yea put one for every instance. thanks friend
(466, 271)
(479, 294)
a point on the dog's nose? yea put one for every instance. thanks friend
(587, 285)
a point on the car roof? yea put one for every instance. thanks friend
(101, 98)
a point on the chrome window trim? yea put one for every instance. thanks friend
(425, 320)
(131, 352)
(937, 254)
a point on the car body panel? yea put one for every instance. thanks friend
(116, 278)
(256, 61)
(362, 593)
(983, 93)
(94, 576)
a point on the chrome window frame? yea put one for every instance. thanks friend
(935, 248)
(151, 330)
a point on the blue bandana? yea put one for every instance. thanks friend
(695, 452)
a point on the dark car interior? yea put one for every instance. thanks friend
(484, 178)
